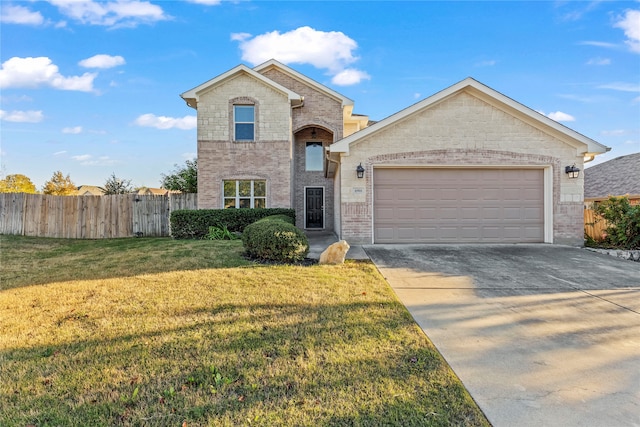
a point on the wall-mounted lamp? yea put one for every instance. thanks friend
(572, 171)
(360, 171)
(313, 133)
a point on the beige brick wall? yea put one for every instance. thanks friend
(305, 179)
(319, 109)
(220, 158)
(325, 114)
(215, 117)
(462, 130)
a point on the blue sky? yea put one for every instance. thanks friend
(92, 88)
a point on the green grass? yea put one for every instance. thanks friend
(160, 332)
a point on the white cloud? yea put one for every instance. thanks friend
(417, 95)
(189, 156)
(487, 63)
(599, 44)
(120, 13)
(559, 116)
(615, 132)
(621, 86)
(72, 130)
(599, 61)
(206, 2)
(102, 61)
(34, 72)
(89, 160)
(238, 37)
(162, 122)
(630, 24)
(10, 14)
(60, 153)
(333, 51)
(350, 76)
(22, 116)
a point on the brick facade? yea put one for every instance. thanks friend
(220, 158)
(324, 114)
(461, 131)
(465, 128)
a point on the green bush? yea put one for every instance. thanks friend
(194, 224)
(275, 239)
(623, 221)
(217, 233)
(279, 217)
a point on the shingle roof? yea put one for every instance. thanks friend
(615, 177)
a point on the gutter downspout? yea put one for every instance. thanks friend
(327, 157)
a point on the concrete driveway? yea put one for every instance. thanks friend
(541, 335)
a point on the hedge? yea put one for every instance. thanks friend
(194, 224)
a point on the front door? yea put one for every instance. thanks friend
(314, 206)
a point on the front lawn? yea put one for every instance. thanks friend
(170, 333)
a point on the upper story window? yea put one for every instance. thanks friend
(314, 156)
(244, 122)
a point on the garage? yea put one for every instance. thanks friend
(458, 205)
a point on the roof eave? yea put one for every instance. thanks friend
(277, 64)
(592, 147)
(191, 96)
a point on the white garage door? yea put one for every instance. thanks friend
(458, 205)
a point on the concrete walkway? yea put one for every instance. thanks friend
(540, 335)
(320, 240)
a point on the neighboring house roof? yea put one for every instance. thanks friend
(155, 191)
(192, 96)
(310, 82)
(584, 145)
(90, 190)
(616, 177)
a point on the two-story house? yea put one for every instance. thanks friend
(467, 164)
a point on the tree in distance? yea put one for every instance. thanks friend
(184, 178)
(59, 185)
(115, 185)
(17, 183)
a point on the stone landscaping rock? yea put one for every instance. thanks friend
(631, 255)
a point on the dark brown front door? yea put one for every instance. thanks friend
(314, 199)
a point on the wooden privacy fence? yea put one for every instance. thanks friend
(90, 217)
(593, 228)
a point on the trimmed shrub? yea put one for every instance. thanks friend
(194, 224)
(274, 239)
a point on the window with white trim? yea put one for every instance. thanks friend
(244, 122)
(245, 194)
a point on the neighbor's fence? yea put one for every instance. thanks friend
(90, 217)
(593, 228)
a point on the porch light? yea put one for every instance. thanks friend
(360, 171)
(572, 171)
(313, 133)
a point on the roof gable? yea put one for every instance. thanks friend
(304, 79)
(585, 146)
(192, 96)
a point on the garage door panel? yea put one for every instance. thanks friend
(427, 214)
(405, 213)
(533, 214)
(490, 213)
(458, 205)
